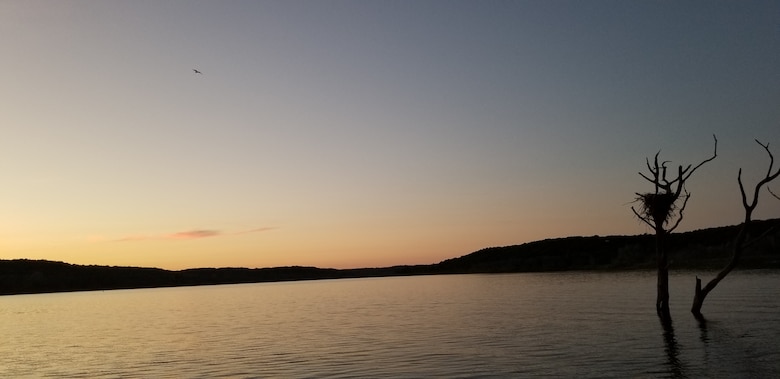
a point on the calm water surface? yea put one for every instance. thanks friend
(511, 325)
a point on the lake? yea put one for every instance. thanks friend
(574, 324)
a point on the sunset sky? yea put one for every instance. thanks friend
(368, 133)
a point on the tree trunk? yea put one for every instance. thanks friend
(698, 300)
(701, 293)
(662, 298)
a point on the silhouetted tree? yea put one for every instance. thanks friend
(663, 210)
(741, 241)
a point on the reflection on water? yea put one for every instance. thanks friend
(514, 325)
(676, 368)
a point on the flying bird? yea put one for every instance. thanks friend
(197, 72)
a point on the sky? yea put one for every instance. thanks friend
(369, 133)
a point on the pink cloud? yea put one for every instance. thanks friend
(191, 234)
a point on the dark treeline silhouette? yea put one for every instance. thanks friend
(24, 276)
(701, 249)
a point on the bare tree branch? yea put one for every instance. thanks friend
(771, 157)
(768, 178)
(660, 209)
(647, 162)
(642, 218)
(714, 154)
(740, 243)
(680, 212)
(646, 178)
(742, 189)
(764, 234)
(773, 194)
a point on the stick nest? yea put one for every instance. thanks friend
(657, 206)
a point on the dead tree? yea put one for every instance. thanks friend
(662, 211)
(741, 241)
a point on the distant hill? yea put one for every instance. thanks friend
(21, 276)
(703, 249)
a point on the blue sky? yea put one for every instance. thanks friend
(368, 133)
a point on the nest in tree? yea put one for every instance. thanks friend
(657, 206)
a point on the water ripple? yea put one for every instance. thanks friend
(466, 326)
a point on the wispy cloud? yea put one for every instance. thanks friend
(191, 234)
(256, 230)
